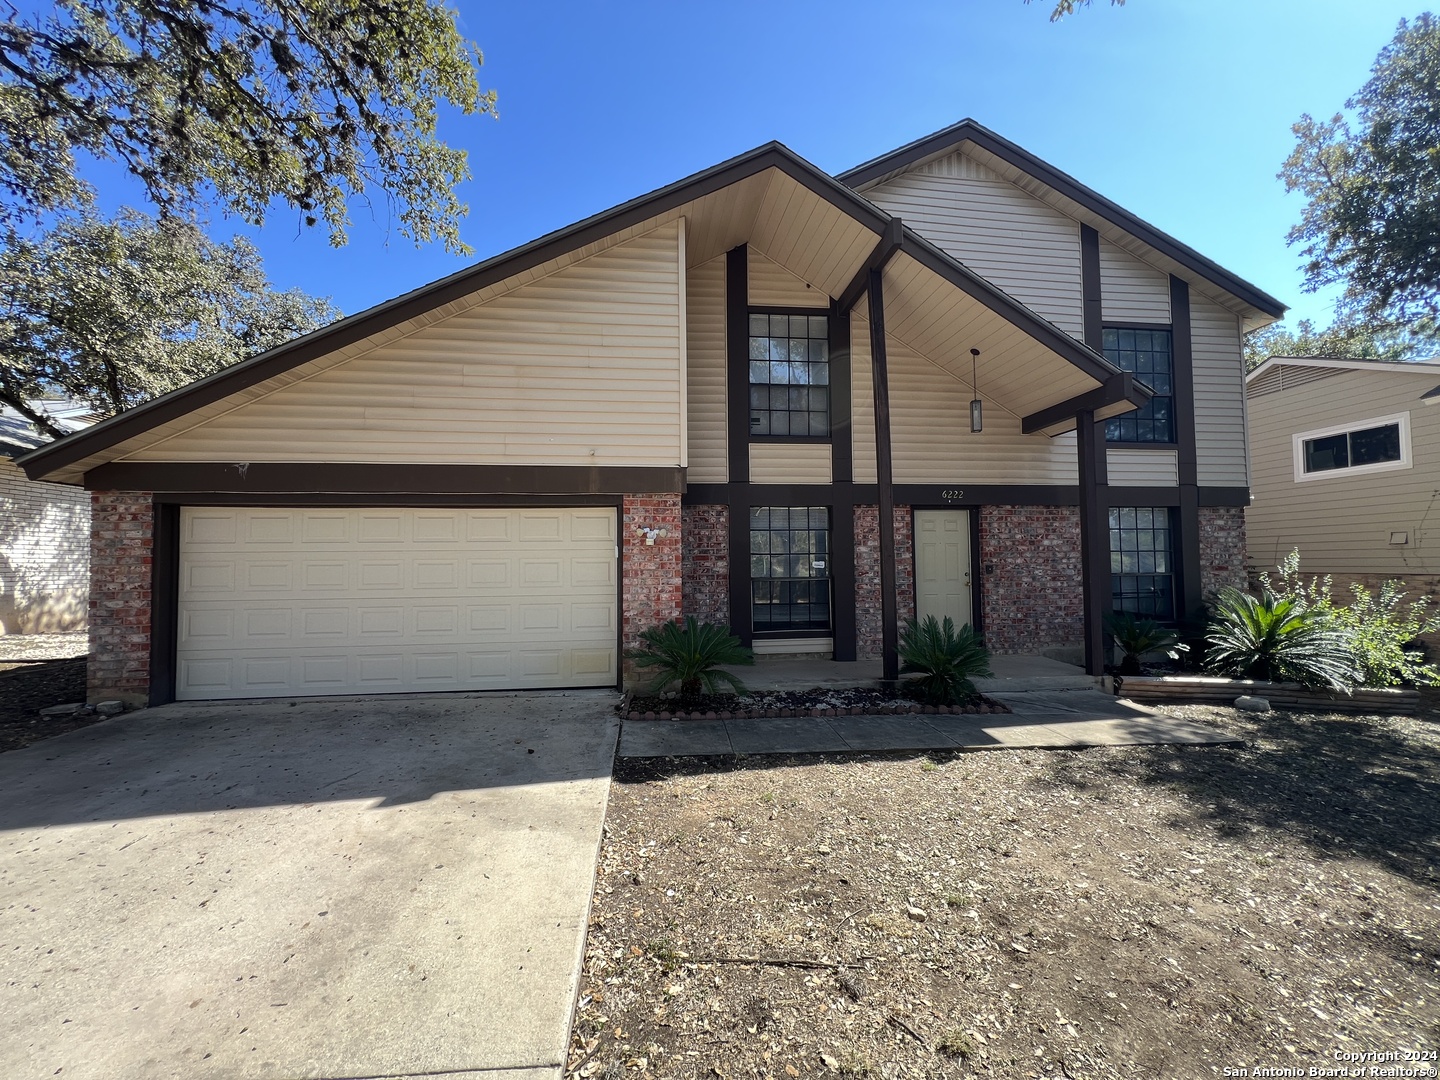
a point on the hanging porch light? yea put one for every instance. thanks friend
(976, 419)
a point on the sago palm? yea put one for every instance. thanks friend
(1279, 640)
(944, 658)
(691, 655)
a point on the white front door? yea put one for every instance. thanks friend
(942, 565)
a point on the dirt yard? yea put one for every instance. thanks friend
(1138, 912)
(36, 671)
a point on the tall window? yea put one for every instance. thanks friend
(1146, 355)
(790, 375)
(790, 568)
(1142, 561)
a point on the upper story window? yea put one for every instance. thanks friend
(790, 374)
(1145, 354)
(1365, 446)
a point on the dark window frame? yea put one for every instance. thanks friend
(788, 558)
(1121, 590)
(829, 411)
(1149, 444)
(1351, 466)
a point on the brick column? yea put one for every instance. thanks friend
(1030, 562)
(652, 577)
(706, 558)
(1222, 549)
(868, 629)
(122, 538)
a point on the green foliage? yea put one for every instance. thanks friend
(1348, 339)
(945, 659)
(1279, 640)
(115, 312)
(1380, 626)
(691, 655)
(307, 102)
(1068, 7)
(1373, 189)
(1136, 637)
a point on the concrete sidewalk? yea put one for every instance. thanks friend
(1044, 719)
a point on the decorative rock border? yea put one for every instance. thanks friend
(897, 708)
(1202, 690)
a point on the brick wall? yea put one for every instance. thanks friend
(1222, 549)
(706, 563)
(121, 542)
(44, 554)
(868, 622)
(652, 592)
(1034, 598)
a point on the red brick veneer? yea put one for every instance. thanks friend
(1222, 549)
(706, 563)
(122, 541)
(1033, 599)
(868, 621)
(651, 590)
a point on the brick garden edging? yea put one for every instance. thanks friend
(898, 708)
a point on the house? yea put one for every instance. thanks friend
(747, 396)
(1346, 469)
(44, 531)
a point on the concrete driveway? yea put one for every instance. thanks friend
(384, 887)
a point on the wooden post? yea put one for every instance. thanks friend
(884, 476)
(1094, 539)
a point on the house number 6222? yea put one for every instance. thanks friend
(952, 494)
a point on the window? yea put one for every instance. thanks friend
(1365, 446)
(1146, 355)
(790, 375)
(790, 568)
(1142, 561)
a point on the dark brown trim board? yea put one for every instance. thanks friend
(938, 497)
(842, 427)
(1187, 457)
(884, 473)
(164, 601)
(741, 613)
(737, 364)
(1094, 542)
(1093, 308)
(890, 243)
(842, 580)
(1117, 388)
(950, 138)
(264, 477)
(362, 501)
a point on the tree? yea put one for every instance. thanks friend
(115, 312)
(308, 102)
(1352, 340)
(1067, 7)
(1372, 220)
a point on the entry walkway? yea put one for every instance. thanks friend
(1039, 719)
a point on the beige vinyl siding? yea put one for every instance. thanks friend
(932, 441)
(1342, 523)
(1220, 449)
(1130, 291)
(790, 463)
(705, 382)
(1142, 468)
(862, 402)
(1025, 247)
(771, 285)
(583, 367)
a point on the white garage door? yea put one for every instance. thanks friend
(279, 602)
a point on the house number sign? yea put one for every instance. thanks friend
(952, 494)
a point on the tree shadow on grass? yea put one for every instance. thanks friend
(1346, 786)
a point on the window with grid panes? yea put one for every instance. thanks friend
(1142, 561)
(1146, 354)
(790, 375)
(789, 568)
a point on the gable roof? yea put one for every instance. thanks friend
(1390, 367)
(18, 435)
(85, 445)
(951, 139)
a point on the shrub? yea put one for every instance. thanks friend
(1280, 640)
(945, 659)
(1380, 626)
(691, 655)
(1136, 637)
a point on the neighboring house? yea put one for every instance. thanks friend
(44, 532)
(1346, 469)
(746, 396)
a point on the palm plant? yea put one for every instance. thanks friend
(1136, 637)
(1280, 640)
(691, 655)
(944, 658)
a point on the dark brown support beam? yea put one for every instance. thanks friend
(1191, 598)
(842, 573)
(1119, 387)
(738, 549)
(737, 363)
(1094, 318)
(842, 429)
(164, 596)
(890, 241)
(885, 478)
(1094, 540)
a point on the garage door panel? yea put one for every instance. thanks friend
(277, 602)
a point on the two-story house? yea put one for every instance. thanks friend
(950, 381)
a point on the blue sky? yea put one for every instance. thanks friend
(1179, 111)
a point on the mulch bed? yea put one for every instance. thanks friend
(775, 704)
(1157, 911)
(26, 688)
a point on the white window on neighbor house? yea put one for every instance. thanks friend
(1365, 446)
